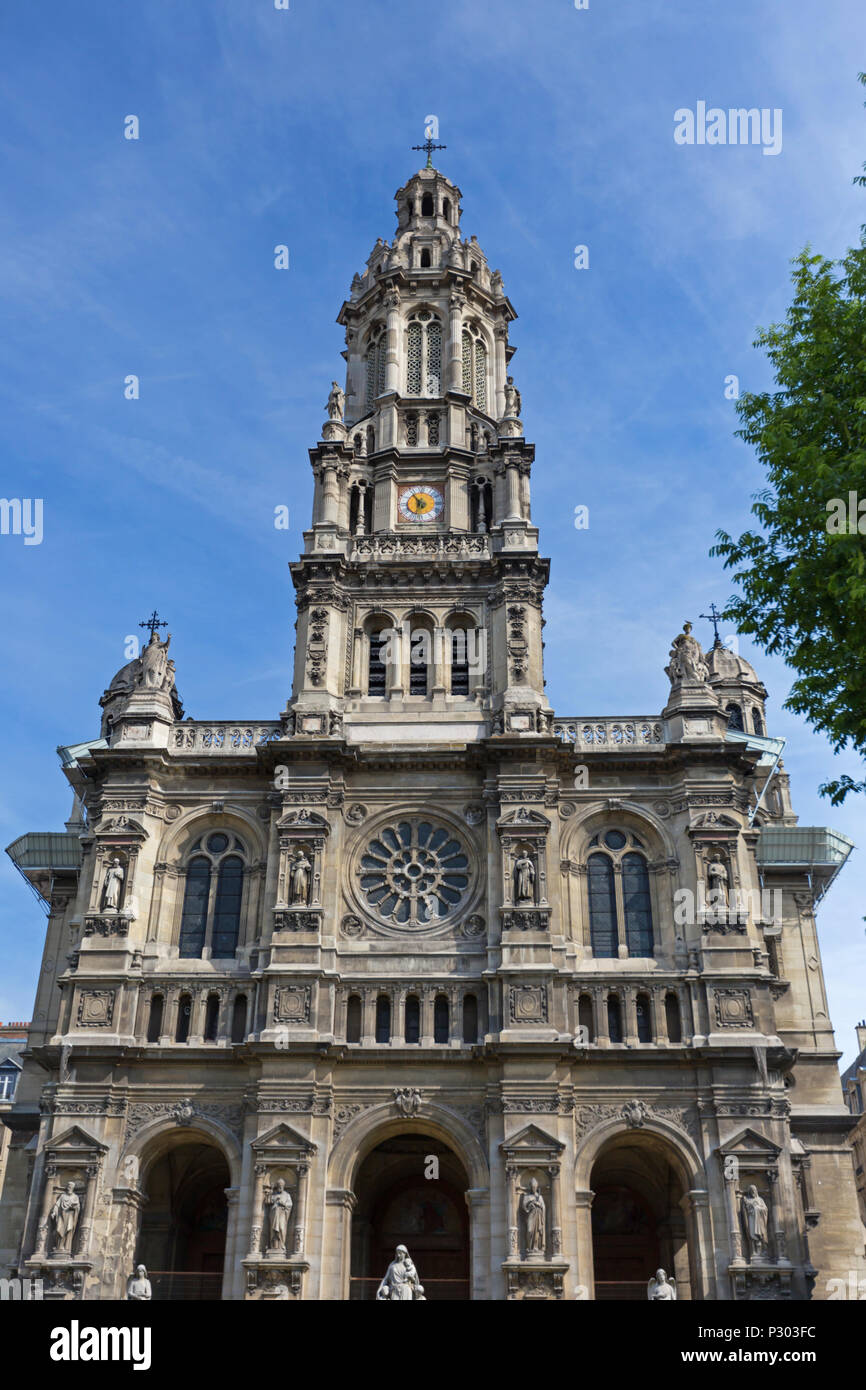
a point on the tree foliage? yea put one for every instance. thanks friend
(803, 586)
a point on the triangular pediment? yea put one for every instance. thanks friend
(301, 818)
(531, 1139)
(75, 1140)
(748, 1141)
(523, 818)
(283, 1140)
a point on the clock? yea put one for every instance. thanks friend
(421, 502)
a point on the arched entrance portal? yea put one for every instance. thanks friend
(398, 1205)
(638, 1219)
(183, 1225)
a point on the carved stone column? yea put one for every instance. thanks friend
(368, 1017)
(427, 997)
(599, 1010)
(439, 637)
(512, 478)
(86, 1224)
(583, 1221)
(659, 1017)
(734, 1221)
(392, 327)
(629, 1008)
(779, 1238)
(330, 492)
(47, 1203)
(455, 342)
(357, 652)
(303, 1170)
(512, 1178)
(260, 1172)
(555, 1228)
(500, 345)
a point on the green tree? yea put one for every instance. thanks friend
(802, 576)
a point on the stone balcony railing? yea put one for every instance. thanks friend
(388, 545)
(227, 738)
(627, 731)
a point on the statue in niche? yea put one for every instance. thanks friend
(65, 1214)
(512, 399)
(660, 1290)
(336, 402)
(138, 1288)
(279, 1204)
(533, 1207)
(524, 879)
(431, 906)
(753, 1214)
(112, 885)
(299, 880)
(686, 662)
(401, 1283)
(717, 880)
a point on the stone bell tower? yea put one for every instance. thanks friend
(420, 588)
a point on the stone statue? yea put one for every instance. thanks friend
(155, 672)
(532, 1206)
(336, 402)
(717, 878)
(753, 1214)
(112, 885)
(65, 1214)
(524, 879)
(659, 1290)
(299, 879)
(512, 398)
(431, 905)
(686, 659)
(138, 1288)
(401, 1283)
(279, 1204)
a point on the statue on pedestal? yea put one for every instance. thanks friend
(138, 1288)
(401, 1283)
(336, 402)
(279, 1205)
(524, 879)
(533, 1207)
(686, 662)
(513, 402)
(299, 880)
(659, 1290)
(753, 1214)
(65, 1214)
(717, 880)
(112, 885)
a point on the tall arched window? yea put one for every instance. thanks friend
(239, 1018)
(412, 1028)
(757, 723)
(602, 906)
(353, 1019)
(620, 901)
(211, 1018)
(643, 1019)
(377, 671)
(383, 1019)
(459, 662)
(441, 1027)
(184, 1015)
(420, 643)
(424, 355)
(475, 366)
(427, 205)
(374, 365)
(154, 1022)
(213, 896)
(637, 905)
(470, 1018)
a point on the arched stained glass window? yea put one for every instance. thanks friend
(475, 366)
(193, 922)
(434, 358)
(424, 355)
(375, 366)
(413, 360)
(480, 375)
(227, 909)
(602, 906)
(467, 362)
(637, 905)
(735, 718)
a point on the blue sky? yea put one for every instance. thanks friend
(260, 127)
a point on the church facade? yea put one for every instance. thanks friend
(420, 962)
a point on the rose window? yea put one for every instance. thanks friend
(414, 873)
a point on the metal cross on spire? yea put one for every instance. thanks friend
(154, 622)
(714, 617)
(429, 147)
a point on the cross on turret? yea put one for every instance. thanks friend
(429, 147)
(714, 617)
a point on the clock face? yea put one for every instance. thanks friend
(422, 502)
